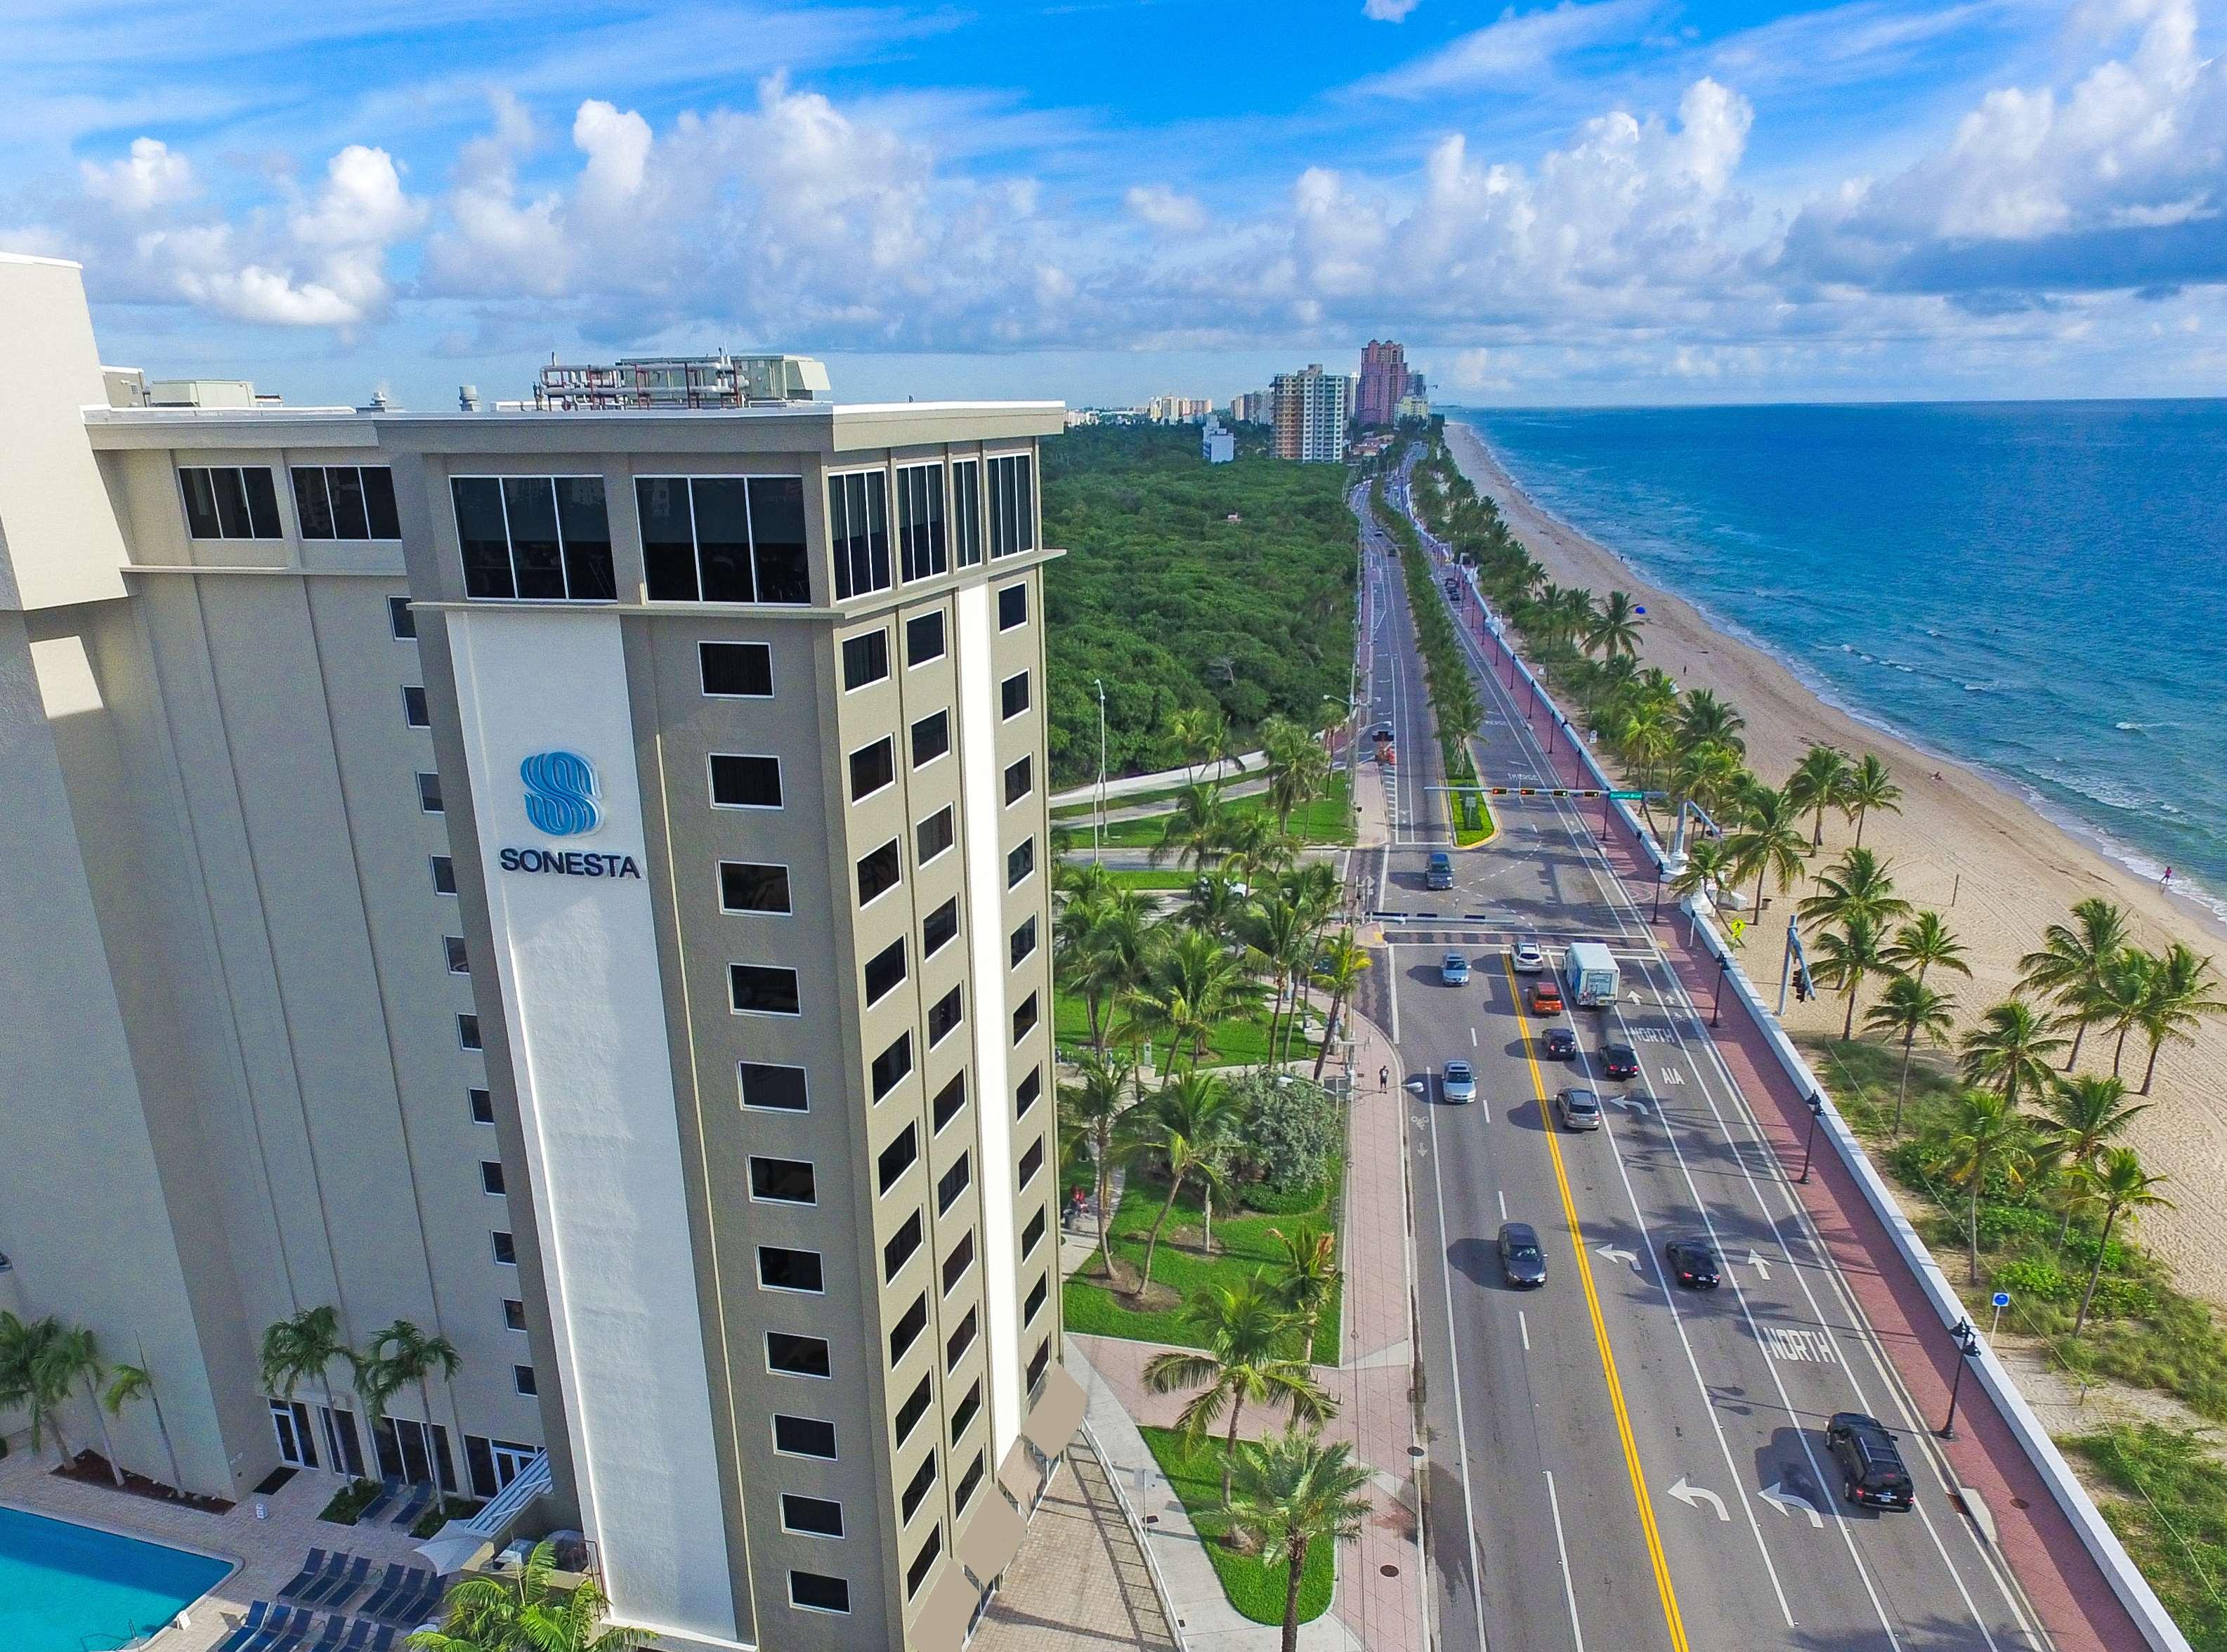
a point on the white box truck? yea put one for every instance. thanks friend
(1591, 971)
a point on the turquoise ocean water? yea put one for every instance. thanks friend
(2035, 588)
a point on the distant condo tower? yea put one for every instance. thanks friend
(1311, 410)
(1383, 382)
(571, 874)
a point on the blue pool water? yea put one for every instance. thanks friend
(67, 1588)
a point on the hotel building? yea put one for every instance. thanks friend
(1311, 410)
(574, 881)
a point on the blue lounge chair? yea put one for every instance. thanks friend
(312, 1569)
(274, 1629)
(425, 1607)
(325, 1582)
(383, 1640)
(250, 1626)
(297, 1635)
(388, 1491)
(419, 1500)
(399, 1609)
(335, 1626)
(384, 1595)
(335, 1592)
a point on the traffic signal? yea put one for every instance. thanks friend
(1801, 983)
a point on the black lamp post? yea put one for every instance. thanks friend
(1717, 1005)
(1656, 915)
(1816, 1111)
(1967, 1343)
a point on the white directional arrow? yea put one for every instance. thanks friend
(1636, 1103)
(1785, 1501)
(1615, 1254)
(1759, 1264)
(1694, 1497)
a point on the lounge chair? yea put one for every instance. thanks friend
(388, 1491)
(398, 1610)
(425, 1607)
(335, 1626)
(274, 1629)
(383, 1596)
(338, 1593)
(297, 1634)
(250, 1626)
(382, 1639)
(325, 1582)
(312, 1569)
(419, 1500)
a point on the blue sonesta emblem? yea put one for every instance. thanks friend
(562, 797)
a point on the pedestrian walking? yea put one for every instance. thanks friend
(2165, 883)
(1384, 1078)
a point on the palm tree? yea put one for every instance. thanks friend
(1107, 1088)
(1769, 843)
(1100, 944)
(305, 1346)
(31, 1379)
(1820, 782)
(2179, 996)
(1615, 627)
(1295, 1492)
(1306, 1275)
(130, 1382)
(1194, 829)
(1191, 986)
(1708, 773)
(2118, 1183)
(1989, 1139)
(1279, 931)
(1177, 1127)
(1845, 959)
(2069, 968)
(2010, 1048)
(74, 1357)
(1708, 865)
(1908, 1009)
(487, 1614)
(2087, 1112)
(402, 1355)
(2120, 997)
(1704, 717)
(1858, 883)
(1871, 785)
(1215, 903)
(1246, 1330)
(1336, 972)
(1198, 732)
(1298, 768)
(1924, 942)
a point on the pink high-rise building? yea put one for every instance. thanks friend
(1383, 382)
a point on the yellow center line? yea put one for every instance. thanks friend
(1639, 1493)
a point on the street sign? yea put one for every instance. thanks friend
(2002, 1299)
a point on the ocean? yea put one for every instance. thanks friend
(2035, 588)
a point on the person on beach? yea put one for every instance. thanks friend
(2165, 883)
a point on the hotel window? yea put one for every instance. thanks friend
(722, 538)
(866, 659)
(896, 1158)
(919, 521)
(762, 989)
(414, 713)
(908, 1328)
(924, 638)
(939, 928)
(803, 1437)
(452, 951)
(811, 1516)
(1026, 1097)
(1012, 506)
(429, 793)
(1031, 1162)
(1020, 861)
(1032, 1234)
(952, 1183)
(931, 738)
(768, 1088)
(1039, 1363)
(967, 1409)
(1013, 694)
(490, 1177)
(1024, 1018)
(783, 1269)
(872, 767)
(917, 1488)
(400, 620)
(968, 1482)
(741, 671)
(1019, 782)
(956, 1263)
(481, 1103)
(858, 528)
(444, 875)
(916, 1573)
(782, 1181)
(750, 886)
(505, 1249)
(344, 502)
(229, 502)
(966, 510)
(901, 1247)
(944, 1016)
(936, 833)
(910, 1413)
(468, 1031)
(880, 872)
(950, 1100)
(1024, 941)
(1013, 606)
(522, 1379)
(891, 1065)
(814, 1592)
(885, 971)
(742, 782)
(513, 1314)
(955, 1349)
(542, 538)
(1037, 1293)
(790, 1354)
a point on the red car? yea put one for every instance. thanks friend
(1546, 999)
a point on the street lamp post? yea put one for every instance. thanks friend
(1098, 816)
(1717, 1004)
(1967, 1343)
(1656, 915)
(1816, 1111)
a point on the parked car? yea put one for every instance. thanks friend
(1453, 970)
(1528, 957)
(1560, 1045)
(1458, 1080)
(1693, 1263)
(1546, 997)
(1522, 1264)
(1871, 1465)
(1619, 1061)
(1580, 1109)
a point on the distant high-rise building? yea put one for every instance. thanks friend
(1216, 445)
(1178, 410)
(1253, 407)
(1383, 381)
(1312, 409)
(1416, 404)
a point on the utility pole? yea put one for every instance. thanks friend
(1098, 816)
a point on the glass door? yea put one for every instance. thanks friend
(289, 1421)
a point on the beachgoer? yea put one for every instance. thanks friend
(1384, 1078)
(2166, 881)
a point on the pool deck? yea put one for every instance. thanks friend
(264, 1554)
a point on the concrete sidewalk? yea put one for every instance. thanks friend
(1129, 785)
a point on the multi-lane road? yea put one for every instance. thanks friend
(1615, 1464)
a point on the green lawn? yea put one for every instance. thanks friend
(1242, 1041)
(1328, 820)
(2171, 1515)
(1245, 1243)
(1255, 1589)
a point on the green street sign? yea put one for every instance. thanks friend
(1627, 797)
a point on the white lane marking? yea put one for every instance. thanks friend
(1754, 1260)
(1392, 988)
(1524, 1325)
(1799, 1345)
(1503, 1196)
(1569, 1588)
(1694, 1497)
(1473, 1037)
(1461, 1426)
(1786, 1502)
(1615, 1252)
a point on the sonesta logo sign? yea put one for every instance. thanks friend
(564, 800)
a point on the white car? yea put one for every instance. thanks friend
(1526, 958)
(1458, 1082)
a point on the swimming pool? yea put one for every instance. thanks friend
(65, 1588)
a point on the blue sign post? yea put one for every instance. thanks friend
(2002, 1301)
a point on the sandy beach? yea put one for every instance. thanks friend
(1995, 868)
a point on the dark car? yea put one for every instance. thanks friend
(1522, 1264)
(1380, 733)
(1560, 1043)
(1693, 1263)
(1619, 1061)
(1871, 1467)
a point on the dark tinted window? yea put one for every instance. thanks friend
(723, 539)
(429, 793)
(955, 1345)
(952, 1183)
(924, 638)
(413, 708)
(819, 1593)
(908, 1328)
(745, 886)
(880, 871)
(910, 1413)
(866, 659)
(777, 539)
(785, 1181)
(794, 1356)
(1024, 1018)
(1031, 1087)
(1031, 1234)
(1031, 1162)
(885, 971)
(1018, 782)
(740, 782)
(944, 1016)
(1037, 1293)
(779, 1089)
(537, 558)
(1012, 607)
(804, 1437)
(1039, 1363)
(967, 511)
(351, 521)
(872, 767)
(919, 521)
(762, 989)
(965, 1411)
(738, 670)
(783, 1269)
(896, 1158)
(817, 1516)
(669, 538)
(901, 1248)
(505, 1249)
(859, 530)
(891, 1065)
(917, 1488)
(939, 926)
(936, 833)
(950, 1100)
(1024, 941)
(931, 738)
(1020, 861)
(1012, 506)
(400, 619)
(482, 1105)
(480, 533)
(1014, 693)
(961, 1259)
(444, 875)
(969, 1482)
(490, 1176)
(586, 522)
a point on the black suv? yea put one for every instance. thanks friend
(1561, 1045)
(1693, 1263)
(1871, 1468)
(1619, 1061)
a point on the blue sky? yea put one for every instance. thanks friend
(1595, 200)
